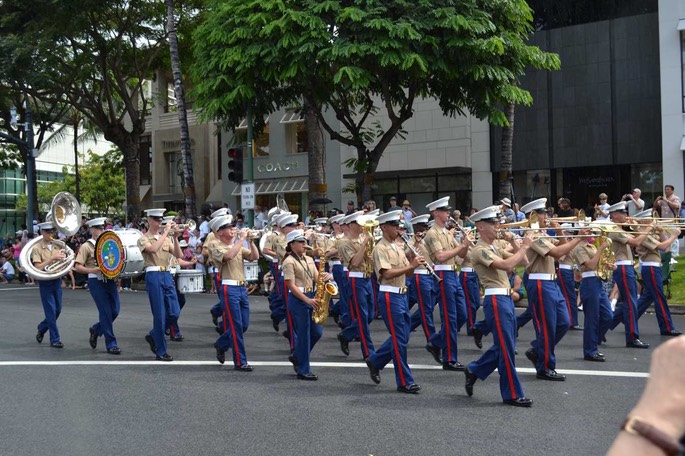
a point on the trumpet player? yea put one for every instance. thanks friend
(212, 267)
(300, 274)
(43, 254)
(422, 288)
(103, 290)
(353, 253)
(443, 250)
(392, 266)
(158, 251)
(229, 252)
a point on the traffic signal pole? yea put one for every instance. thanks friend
(249, 215)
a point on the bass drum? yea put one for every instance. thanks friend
(190, 281)
(118, 255)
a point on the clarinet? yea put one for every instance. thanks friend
(430, 269)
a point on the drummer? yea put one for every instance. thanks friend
(103, 290)
(159, 250)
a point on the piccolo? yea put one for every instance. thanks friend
(429, 268)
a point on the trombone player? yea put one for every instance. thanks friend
(42, 255)
(103, 290)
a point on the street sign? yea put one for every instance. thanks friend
(247, 195)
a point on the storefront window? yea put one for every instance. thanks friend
(295, 131)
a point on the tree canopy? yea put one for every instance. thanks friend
(357, 57)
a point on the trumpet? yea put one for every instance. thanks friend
(254, 234)
(180, 228)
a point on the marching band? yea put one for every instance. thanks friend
(381, 272)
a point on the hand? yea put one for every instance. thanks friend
(58, 255)
(418, 261)
(326, 277)
(314, 303)
(167, 227)
(507, 235)
(243, 234)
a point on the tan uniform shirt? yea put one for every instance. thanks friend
(163, 257)
(482, 255)
(567, 259)
(279, 245)
(438, 239)
(86, 255)
(619, 245)
(347, 249)
(232, 269)
(301, 270)
(42, 252)
(648, 250)
(539, 261)
(583, 253)
(334, 244)
(389, 255)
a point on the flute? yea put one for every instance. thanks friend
(430, 269)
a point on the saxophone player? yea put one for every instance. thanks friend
(392, 267)
(44, 253)
(300, 274)
(353, 253)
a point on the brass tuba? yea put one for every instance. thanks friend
(324, 292)
(369, 224)
(65, 213)
(605, 266)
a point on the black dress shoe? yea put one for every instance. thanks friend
(57, 344)
(519, 402)
(215, 318)
(39, 336)
(220, 354)
(93, 339)
(286, 334)
(373, 372)
(344, 344)
(166, 332)
(470, 381)
(309, 377)
(550, 374)
(453, 366)
(218, 330)
(274, 323)
(114, 351)
(673, 332)
(637, 343)
(598, 357)
(576, 328)
(151, 342)
(293, 361)
(477, 336)
(244, 368)
(435, 351)
(164, 357)
(532, 356)
(409, 389)
(178, 338)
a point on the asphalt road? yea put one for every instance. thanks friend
(79, 401)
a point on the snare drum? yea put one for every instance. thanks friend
(251, 269)
(118, 254)
(190, 281)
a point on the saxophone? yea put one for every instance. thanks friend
(605, 267)
(324, 292)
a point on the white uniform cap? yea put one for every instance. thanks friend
(290, 219)
(273, 212)
(618, 207)
(20, 232)
(295, 235)
(321, 221)
(278, 217)
(392, 218)
(182, 243)
(420, 219)
(644, 214)
(336, 218)
(442, 203)
(46, 226)
(219, 212)
(375, 212)
(100, 221)
(222, 222)
(506, 202)
(155, 212)
(535, 205)
(212, 223)
(351, 218)
(167, 219)
(489, 214)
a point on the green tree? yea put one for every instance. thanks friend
(360, 58)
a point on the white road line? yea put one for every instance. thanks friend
(32, 287)
(525, 370)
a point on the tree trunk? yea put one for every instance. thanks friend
(78, 178)
(316, 154)
(188, 180)
(506, 154)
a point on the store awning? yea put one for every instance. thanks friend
(681, 24)
(682, 144)
(285, 185)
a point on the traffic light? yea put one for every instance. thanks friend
(235, 164)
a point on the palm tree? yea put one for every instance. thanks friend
(505, 173)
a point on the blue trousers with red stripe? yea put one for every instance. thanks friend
(172, 326)
(342, 307)
(471, 285)
(451, 302)
(361, 306)
(161, 292)
(306, 333)
(653, 292)
(236, 318)
(567, 286)
(216, 309)
(106, 299)
(597, 313)
(51, 298)
(374, 289)
(422, 292)
(394, 308)
(500, 318)
(277, 299)
(551, 320)
(625, 280)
